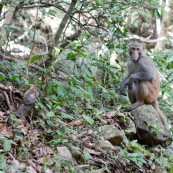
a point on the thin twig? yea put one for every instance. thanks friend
(29, 60)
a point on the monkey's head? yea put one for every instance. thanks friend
(136, 50)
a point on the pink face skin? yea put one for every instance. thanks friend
(135, 53)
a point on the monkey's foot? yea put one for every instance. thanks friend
(123, 109)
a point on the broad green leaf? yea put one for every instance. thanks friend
(2, 76)
(67, 116)
(170, 59)
(7, 145)
(87, 155)
(86, 4)
(1, 5)
(2, 163)
(71, 56)
(82, 54)
(43, 11)
(88, 119)
(86, 94)
(2, 137)
(59, 121)
(156, 13)
(50, 114)
(35, 58)
(57, 50)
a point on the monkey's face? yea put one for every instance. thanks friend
(136, 50)
(135, 53)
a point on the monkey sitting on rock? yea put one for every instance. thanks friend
(142, 81)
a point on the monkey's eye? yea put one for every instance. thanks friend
(133, 48)
(137, 49)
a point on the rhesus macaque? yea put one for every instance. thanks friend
(142, 81)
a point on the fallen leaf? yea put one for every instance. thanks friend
(90, 131)
(45, 159)
(92, 151)
(2, 127)
(3, 130)
(31, 170)
(99, 160)
(77, 122)
(111, 114)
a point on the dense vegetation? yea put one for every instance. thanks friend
(74, 53)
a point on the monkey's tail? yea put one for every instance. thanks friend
(161, 115)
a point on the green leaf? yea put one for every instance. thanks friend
(87, 155)
(67, 116)
(35, 58)
(156, 13)
(50, 114)
(7, 145)
(59, 120)
(2, 76)
(82, 54)
(2, 137)
(88, 119)
(71, 56)
(2, 163)
(43, 11)
(86, 4)
(86, 94)
(170, 59)
(1, 5)
(57, 50)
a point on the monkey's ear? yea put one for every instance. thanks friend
(130, 44)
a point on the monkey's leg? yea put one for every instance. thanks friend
(133, 106)
(137, 94)
(161, 115)
(132, 92)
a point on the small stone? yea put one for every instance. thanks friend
(104, 144)
(113, 134)
(65, 153)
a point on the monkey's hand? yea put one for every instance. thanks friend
(124, 109)
(123, 93)
(123, 85)
(122, 90)
(131, 79)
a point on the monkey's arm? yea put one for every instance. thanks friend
(140, 76)
(146, 73)
(124, 83)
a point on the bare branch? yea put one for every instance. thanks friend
(64, 22)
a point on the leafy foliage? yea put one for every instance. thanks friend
(78, 83)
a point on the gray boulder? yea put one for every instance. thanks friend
(150, 130)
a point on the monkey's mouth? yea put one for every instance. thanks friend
(134, 58)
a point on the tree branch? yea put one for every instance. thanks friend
(60, 31)
(64, 22)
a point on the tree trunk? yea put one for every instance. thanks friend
(162, 24)
(7, 19)
(60, 31)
